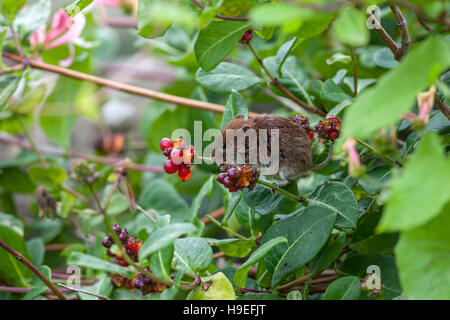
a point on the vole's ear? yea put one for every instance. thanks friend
(245, 127)
(239, 116)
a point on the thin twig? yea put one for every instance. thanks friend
(107, 161)
(33, 269)
(375, 151)
(145, 213)
(282, 191)
(392, 45)
(402, 26)
(274, 81)
(84, 291)
(220, 225)
(442, 106)
(201, 105)
(215, 214)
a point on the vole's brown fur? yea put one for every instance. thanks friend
(295, 155)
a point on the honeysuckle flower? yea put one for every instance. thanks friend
(355, 168)
(425, 102)
(110, 3)
(64, 30)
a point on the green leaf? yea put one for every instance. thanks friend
(102, 287)
(240, 276)
(37, 286)
(337, 197)
(233, 200)
(346, 288)
(3, 33)
(11, 221)
(380, 174)
(48, 177)
(14, 272)
(306, 232)
(235, 105)
(423, 259)
(265, 202)
(277, 14)
(156, 16)
(235, 247)
(246, 217)
(88, 261)
(357, 265)
(77, 6)
(420, 66)
(9, 9)
(329, 253)
(216, 41)
(205, 190)
(15, 180)
(350, 27)
(163, 237)
(294, 295)
(192, 255)
(332, 94)
(408, 206)
(32, 17)
(313, 27)
(226, 77)
(283, 53)
(379, 243)
(118, 203)
(220, 288)
(162, 197)
(8, 85)
(37, 250)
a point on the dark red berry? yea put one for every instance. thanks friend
(221, 177)
(334, 135)
(167, 151)
(165, 143)
(170, 167)
(106, 242)
(311, 135)
(123, 236)
(227, 182)
(234, 173)
(117, 229)
(247, 36)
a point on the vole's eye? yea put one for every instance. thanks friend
(224, 145)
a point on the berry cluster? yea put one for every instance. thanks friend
(147, 285)
(179, 157)
(84, 172)
(131, 244)
(328, 129)
(247, 36)
(237, 178)
(304, 123)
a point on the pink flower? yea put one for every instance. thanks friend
(111, 3)
(64, 29)
(354, 163)
(425, 102)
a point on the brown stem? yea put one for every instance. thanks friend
(215, 214)
(33, 269)
(277, 84)
(218, 255)
(202, 6)
(201, 105)
(84, 291)
(423, 23)
(56, 246)
(107, 161)
(392, 45)
(403, 28)
(442, 106)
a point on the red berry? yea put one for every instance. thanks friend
(165, 143)
(240, 185)
(176, 156)
(170, 167)
(221, 177)
(247, 36)
(311, 135)
(107, 242)
(227, 182)
(234, 173)
(232, 189)
(334, 135)
(184, 173)
(167, 151)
